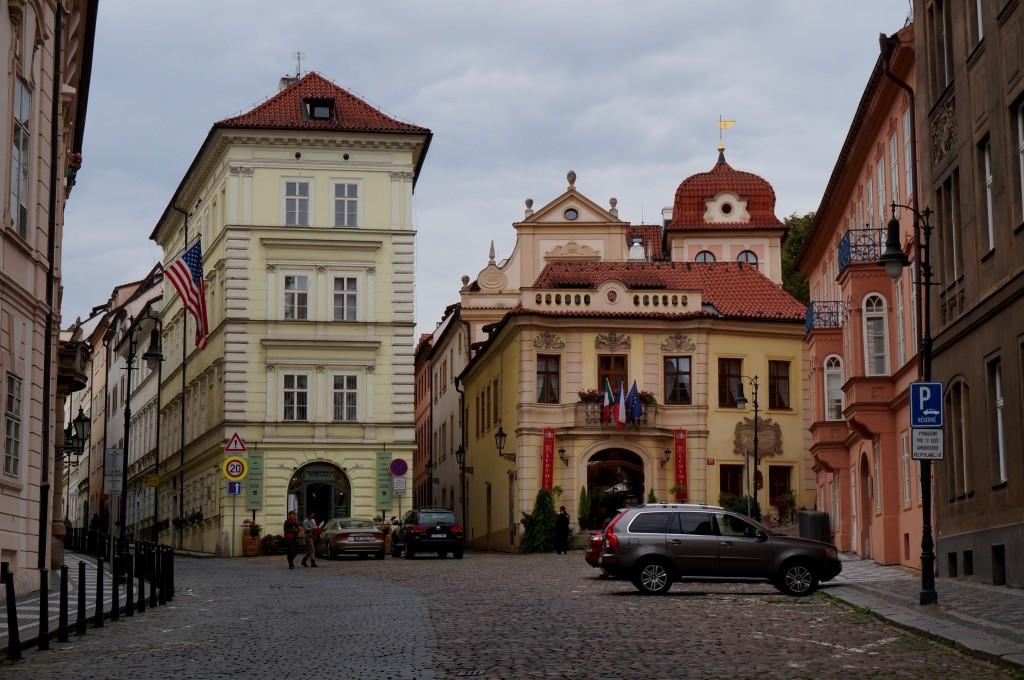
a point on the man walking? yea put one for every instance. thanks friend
(309, 526)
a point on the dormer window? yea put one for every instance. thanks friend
(319, 109)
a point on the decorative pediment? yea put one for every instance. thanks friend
(726, 207)
(572, 250)
(678, 343)
(548, 341)
(613, 342)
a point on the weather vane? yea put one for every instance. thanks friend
(723, 125)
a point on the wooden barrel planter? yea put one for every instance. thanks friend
(250, 545)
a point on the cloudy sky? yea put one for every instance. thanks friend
(627, 94)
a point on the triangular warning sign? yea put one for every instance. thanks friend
(235, 445)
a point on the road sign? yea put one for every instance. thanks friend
(399, 486)
(235, 469)
(235, 445)
(927, 444)
(152, 480)
(926, 404)
(399, 467)
(234, 488)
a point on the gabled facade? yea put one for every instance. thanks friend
(304, 209)
(38, 164)
(862, 328)
(448, 357)
(971, 116)
(586, 298)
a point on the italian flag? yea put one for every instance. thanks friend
(620, 406)
(609, 401)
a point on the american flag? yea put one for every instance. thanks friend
(186, 275)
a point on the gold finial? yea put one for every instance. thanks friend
(723, 125)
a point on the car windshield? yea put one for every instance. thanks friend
(437, 518)
(356, 524)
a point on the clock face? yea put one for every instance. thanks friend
(571, 214)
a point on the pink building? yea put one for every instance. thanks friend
(863, 328)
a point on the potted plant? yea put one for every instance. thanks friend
(254, 528)
(680, 492)
(584, 508)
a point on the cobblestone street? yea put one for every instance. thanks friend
(488, 616)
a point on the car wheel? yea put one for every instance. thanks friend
(396, 549)
(457, 554)
(330, 551)
(409, 553)
(653, 578)
(379, 555)
(797, 579)
(442, 554)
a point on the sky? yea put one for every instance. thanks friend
(626, 94)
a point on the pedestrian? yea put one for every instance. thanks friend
(309, 528)
(291, 532)
(562, 532)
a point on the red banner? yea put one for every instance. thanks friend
(547, 472)
(680, 446)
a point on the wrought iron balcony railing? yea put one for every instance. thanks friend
(824, 315)
(861, 245)
(588, 413)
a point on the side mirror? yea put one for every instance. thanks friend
(760, 535)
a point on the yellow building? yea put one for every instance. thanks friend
(691, 311)
(303, 206)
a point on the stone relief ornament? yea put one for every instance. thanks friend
(678, 343)
(769, 437)
(548, 341)
(612, 342)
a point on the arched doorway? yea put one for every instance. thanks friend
(615, 479)
(864, 506)
(321, 488)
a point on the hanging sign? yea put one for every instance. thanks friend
(680, 452)
(547, 470)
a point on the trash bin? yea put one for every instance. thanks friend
(815, 524)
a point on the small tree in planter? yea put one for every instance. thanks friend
(651, 498)
(540, 525)
(679, 491)
(584, 508)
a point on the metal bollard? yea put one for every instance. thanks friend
(13, 635)
(151, 563)
(115, 605)
(98, 621)
(43, 642)
(62, 625)
(129, 593)
(80, 618)
(140, 573)
(161, 569)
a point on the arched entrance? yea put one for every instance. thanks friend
(321, 488)
(615, 479)
(864, 508)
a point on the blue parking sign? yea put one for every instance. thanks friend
(926, 404)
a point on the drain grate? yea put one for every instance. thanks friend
(470, 674)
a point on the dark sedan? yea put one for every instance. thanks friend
(351, 535)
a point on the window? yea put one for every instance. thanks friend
(905, 460)
(547, 379)
(901, 335)
(913, 310)
(705, 256)
(747, 257)
(319, 109)
(346, 205)
(613, 368)
(778, 384)
(677, 380)
(833, 388)
(779, 480)
(877, 455)
(729, 372)
(296, 204)
(986, 163)
(1020, 156)
(694, 523)
(880, 172)
(894, 171)
(20, 161)
(346, 298)
(296, 396)
(730, 525)
(955, 439)
(650, 523)
(869, 193)
(979, 27)
(908, 159)
(497, 401)
(876, 356)
(343, 398)
(730, 479)
(950, 241)
(296, 297)
(995, 379)
(12, 427)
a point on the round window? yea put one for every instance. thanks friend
(571, 214)
(727, 208)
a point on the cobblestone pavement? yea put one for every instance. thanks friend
(488, 616)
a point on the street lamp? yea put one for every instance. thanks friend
(741, 403)
(894, 260)
(499, 441)
(460, 458)
(152, 356)
(76, 436)
(561, 454)
(668, 457)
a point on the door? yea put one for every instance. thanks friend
(692, 544)
(740, 551)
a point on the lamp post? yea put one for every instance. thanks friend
(741, 403)
(895, 260)
(499, 441)
(562, 456)
(153, 356)
(460, 458)
(76, 435)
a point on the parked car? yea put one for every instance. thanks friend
(428, 530)
(351, 535)
(655, 545)
(594, 545)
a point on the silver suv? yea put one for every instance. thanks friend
(656, 545)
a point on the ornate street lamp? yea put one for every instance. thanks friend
(741, 403)
(499, 441)
(562, 456)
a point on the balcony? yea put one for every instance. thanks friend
(824, 315)
(588, 414)
(861, 245)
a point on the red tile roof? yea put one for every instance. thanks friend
(284, 110)
(727, 289)
(651, 234)
(688, 210)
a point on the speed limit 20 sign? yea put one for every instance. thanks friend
(235, 469)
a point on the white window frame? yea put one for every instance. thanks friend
(908, 160)
(913, 308)
(13, 417)
(880, 170)
(21, 158)
(989, 220)
(833, 380)
(1020, 154)
(905, 461)
(301, 201)
(901, 333)
(870, 194)
(875, 335)
(291, 385)
(295, 298)
(357, 216)
(349, 396)
(894, 168)
(346, 294)
(996, 373)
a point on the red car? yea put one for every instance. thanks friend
(593, 554)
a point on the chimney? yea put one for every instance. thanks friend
(286, 81)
